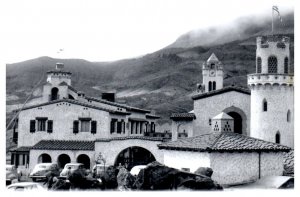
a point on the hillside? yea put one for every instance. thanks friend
(162, 81)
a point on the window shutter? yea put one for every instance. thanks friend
(119, 127)
(123, 126)
(75, 126)
(32, 126)
(94, 127)
(50, 126)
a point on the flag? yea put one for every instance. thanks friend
(275, 8)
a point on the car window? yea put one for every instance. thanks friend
(19, 188)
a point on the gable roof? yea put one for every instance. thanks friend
(222, 141)
(76, 102)
(221, 91)
(64, 145)
(213, 58)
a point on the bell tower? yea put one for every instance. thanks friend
(212, 73)
(272, 92)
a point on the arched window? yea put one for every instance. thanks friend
(286, 65)
(277, 137)
(265, 105)
(54, 94)
(272, 64)
(212, 66)
(209, 86)
(288, 116)
(258, 65)
(214, 85)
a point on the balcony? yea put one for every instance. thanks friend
(262, 79)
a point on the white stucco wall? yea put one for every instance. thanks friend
(186, 159)
(110, 150)
(209, 107)
(272, 164)
(63, 114)
(265, 124)
(233, 168)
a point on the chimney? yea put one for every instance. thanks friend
(109, 96)
(222, 123)
(59, 66)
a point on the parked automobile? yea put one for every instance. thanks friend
(98, 170)
(136, 169)
(40, 170)
(71, 167)
(12, 174)
(25, 186)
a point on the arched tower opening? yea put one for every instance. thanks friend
(258, 65)
(133, 156)
(54, 94)
(265, 105)
(272, 64)
(277, 137)
(286, 65)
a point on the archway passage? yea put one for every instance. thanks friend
(44, 158)
(133, 156)
(62, 160)
(54, 94)
(238, 122)
(85, 160)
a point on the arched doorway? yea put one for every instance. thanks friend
(44, 158)
(238, 122)
(85, 160)
(62, 160)
(133, 156)
(54, 94)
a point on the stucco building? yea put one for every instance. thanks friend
(68, 126)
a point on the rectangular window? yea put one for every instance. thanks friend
(84, 126)
(119, 127)
(50, 126)
(32, 126)
(24, 162)
(41, 125)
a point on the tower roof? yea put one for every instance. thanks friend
(213, 58)
(223, 116)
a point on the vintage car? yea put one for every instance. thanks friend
(71, 167)
(12, 174)
(40, 170)
(25, 186)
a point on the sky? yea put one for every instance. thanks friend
(107, 30)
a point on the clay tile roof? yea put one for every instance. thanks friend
(220, 91)
(64, 145)
(225, 141)
(183, 116)
(21, 149)
(130, 137)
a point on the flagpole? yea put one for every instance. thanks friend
(272, 20)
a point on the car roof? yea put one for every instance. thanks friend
(47, 164)
(75, 164)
